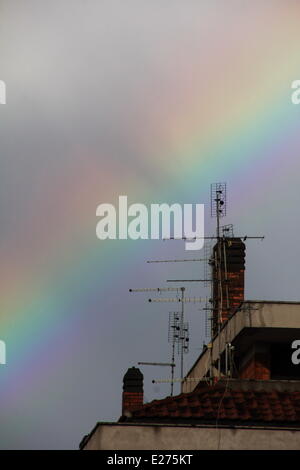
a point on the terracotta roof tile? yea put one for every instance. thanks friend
(215, 403)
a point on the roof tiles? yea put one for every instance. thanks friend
(220, 404)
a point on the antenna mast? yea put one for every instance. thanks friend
(223, 272)
(178, 328)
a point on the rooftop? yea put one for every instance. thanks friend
(229, 402)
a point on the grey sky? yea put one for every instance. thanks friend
(107, 98)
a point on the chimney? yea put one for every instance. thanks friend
(228, 279)
(256, 363)
(133, 394)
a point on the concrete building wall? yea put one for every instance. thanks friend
(259, 315)
(121, 436)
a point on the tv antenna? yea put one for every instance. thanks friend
(218, 209)
(223, 272)
(180, 298)
(220, 263)
(218, 198)
(175, 260)
(162, 364)
(178, 333)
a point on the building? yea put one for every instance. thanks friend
(242, 393)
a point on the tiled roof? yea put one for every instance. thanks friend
(224, 405)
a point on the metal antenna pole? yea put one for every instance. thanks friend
(182, 338)
(169, 364)
(172, 369)
(243, 237)
(156, 289)
(175, 260)
(188, 280)
(177, 327)
(181, 330)
(185, 300)
(218, 265)
(174, 337)
(218, 210)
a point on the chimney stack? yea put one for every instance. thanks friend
(228, 279)
(133, 393)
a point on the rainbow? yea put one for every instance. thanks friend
(238, 126)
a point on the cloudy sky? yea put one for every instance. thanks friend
(155, 100)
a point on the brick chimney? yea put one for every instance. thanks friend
(133, 393)
(229, 255)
